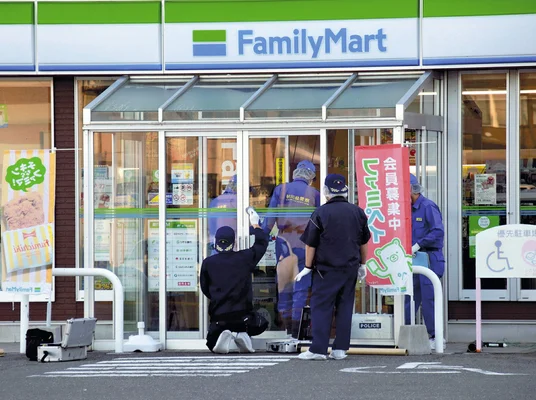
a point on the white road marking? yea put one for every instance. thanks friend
(425, 368)
(169, 367)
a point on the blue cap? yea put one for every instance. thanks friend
(413, 179)
(336, 184)
(224, 240)
(306, 164)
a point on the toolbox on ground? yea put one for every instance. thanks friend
(78, 336)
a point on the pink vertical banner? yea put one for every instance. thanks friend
(383, 188)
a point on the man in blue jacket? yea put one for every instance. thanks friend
(225, 210)
(226, 280)
(427, 235)
(291, 223)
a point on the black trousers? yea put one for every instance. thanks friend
(253, 324)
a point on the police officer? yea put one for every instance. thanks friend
(336, 247)
(224, 203)
(427, 235)
(298, 193)
(225, 278)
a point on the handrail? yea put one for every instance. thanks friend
(438, 304)
(118, 296)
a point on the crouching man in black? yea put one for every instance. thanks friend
(226, 279)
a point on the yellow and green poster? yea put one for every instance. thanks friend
(28, 200)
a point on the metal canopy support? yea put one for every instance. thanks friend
(256, 95)
(175, 96)
(336, 95)
(410, 95)
(86, 112)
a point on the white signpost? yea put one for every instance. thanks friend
(506, 251)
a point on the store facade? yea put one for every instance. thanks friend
(156, 107)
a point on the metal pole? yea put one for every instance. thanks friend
(118, 297)
(24, 320)
(438, 304)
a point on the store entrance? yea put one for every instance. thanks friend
(191, 153)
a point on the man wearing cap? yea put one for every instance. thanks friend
(290, 225)
(336, 240)
(225, 279)
(427, 235)
(224, 210)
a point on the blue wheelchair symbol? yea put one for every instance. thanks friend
(498, 263)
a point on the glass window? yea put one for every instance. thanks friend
(527, 156)
(87, 91)
(25, 119)
(484, 172)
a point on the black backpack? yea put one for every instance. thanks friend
(34, 338)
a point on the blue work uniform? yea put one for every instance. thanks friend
(428, 232)
(225, 215)
(291, 225)
(337, 230)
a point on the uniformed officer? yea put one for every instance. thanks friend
(224, 203)
(298, 193)
(336, 247)
(226, 279)
(427, 235)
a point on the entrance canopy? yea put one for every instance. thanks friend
(323, 99)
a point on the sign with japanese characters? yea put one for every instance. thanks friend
(506, 251)
(28, 193)
(181, 256)
(382, 176)
(486, 189)
(477, 224)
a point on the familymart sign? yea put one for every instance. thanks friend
(382, 42)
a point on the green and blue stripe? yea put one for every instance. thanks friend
(209, 43)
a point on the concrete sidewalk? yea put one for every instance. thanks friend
(451, 348)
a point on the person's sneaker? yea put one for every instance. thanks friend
(311, 356)
(432, 343)
(222, 345)
(337, 354)
(243, 341)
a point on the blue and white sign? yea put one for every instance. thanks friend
(381, 42)
(506, 251)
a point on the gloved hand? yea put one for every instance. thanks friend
(253, 216)
(305, 271)
(362, 273)
(415, 248)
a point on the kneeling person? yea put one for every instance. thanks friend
(226, 280)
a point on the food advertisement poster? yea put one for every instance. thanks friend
(28, 194)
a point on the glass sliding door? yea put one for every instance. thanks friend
(273, 160)
(123, 169)
(201, 195)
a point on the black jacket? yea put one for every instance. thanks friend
(337, 230)
(225, 278)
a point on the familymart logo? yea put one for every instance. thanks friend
(209, 43)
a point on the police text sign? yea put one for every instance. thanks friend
(506, 251)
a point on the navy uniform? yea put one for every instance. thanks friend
(427, 235)
(226, 280)
(296, 194)
(336, 239)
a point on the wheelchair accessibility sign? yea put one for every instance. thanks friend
(506, 251)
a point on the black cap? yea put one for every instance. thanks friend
(225, 237)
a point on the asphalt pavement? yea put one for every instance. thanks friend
(506, 373)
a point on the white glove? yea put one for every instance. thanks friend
(253, 216)
(415, 248)
(362, 273)
(305, 271)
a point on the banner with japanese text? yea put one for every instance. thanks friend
(28, 197)
(383, 187)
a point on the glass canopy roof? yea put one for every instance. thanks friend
(253, 97)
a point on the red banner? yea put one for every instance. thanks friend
(383, 189)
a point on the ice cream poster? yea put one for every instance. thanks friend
(506, 251)
(382, 176)
(28, 193)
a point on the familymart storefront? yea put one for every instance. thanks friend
(177, 101)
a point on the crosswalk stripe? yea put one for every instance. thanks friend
(169, 366)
